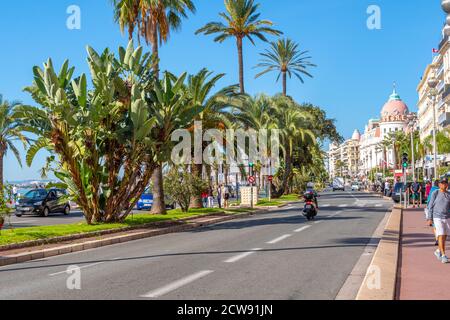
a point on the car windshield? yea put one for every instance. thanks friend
(33, 194)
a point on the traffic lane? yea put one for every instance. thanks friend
(143, 265)
(312, 264)
(186, 251)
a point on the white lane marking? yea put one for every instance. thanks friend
(242, 255)
(343, 205)
(176, 285)
(335, 214)
(302, 229)
(379, 205)
(279, 239)
(325, 205)
(83, 267)
(24, 221)
(317, 222)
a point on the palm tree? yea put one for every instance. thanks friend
(215, 108)
(10, 132)
(155, 20)
(242, 21)
(285, 58)
(127, 15)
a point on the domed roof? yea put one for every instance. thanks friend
(395, 106)
(356, 135)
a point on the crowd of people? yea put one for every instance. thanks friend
(222, 194)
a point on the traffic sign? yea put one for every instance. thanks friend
(251, 180)
(270, 178)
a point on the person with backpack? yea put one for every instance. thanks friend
(439, 214)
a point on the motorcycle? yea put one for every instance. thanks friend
(310, 210)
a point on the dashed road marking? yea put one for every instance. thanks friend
(302, 229)
(176, 285)
(279, 239)
(242, 256)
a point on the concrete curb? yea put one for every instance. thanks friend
(133, 235)
(381, 277)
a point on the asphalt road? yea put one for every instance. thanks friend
(278, 255)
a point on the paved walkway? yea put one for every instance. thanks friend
(422, 276)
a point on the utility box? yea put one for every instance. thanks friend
(246, 196)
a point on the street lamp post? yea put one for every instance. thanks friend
(432, 84)
(412, 126)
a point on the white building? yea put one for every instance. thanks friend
(373, 154)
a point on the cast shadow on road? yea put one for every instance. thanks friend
(338, 243)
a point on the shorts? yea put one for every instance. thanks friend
(415, 196)
(442, 226)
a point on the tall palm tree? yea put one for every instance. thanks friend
(10, 132)
(215, 107)
(285, 57)
(155, 20)
(241, 21)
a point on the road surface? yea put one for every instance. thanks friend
(278, 255)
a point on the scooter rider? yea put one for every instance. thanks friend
(310, 189)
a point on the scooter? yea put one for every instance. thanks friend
(309, 210)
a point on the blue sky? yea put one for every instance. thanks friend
(356, 66)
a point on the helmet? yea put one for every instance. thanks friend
(310, 185)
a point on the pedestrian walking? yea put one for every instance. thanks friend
(415, 191)
(434, 188)
(210, 198)
(205, 199)
(219, 196)
(439, 214)
(226, 196)
(387, 188)
(15, 192)
(428, 187)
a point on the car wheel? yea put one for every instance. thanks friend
(18, 215)
(46, 212)
(67, 210)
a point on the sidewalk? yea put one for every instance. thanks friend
(421, 275)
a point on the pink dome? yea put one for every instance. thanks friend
(394, 107)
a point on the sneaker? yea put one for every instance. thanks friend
(438, 255)
(444, 259)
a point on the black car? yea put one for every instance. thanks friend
(43, 202)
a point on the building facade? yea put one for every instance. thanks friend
(344, 158)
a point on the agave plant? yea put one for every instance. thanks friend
(102, 136)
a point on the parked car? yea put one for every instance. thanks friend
(338, 184)
(355, 186)
(43, 202)
(146, 202)
(398, 189)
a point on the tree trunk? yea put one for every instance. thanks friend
(159, 205)
(155, 50)
(241, 65)
(284, 83)
(196, 200)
